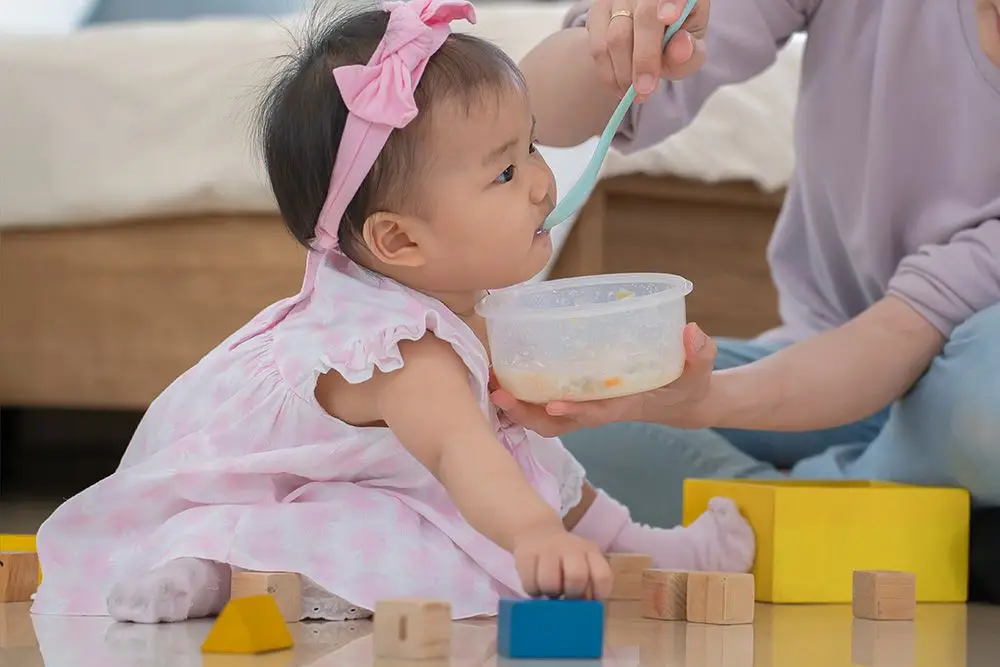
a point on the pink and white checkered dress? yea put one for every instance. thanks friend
(236, 462)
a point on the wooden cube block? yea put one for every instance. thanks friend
(412, 629)
(623, 609)
(18, 576)
(664, 595)
(284, 587)
(627, 570)
(550, 629)
(884, 595)
(720, 598)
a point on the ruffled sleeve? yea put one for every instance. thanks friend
(353, 324)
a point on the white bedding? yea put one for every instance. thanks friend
(135, 121)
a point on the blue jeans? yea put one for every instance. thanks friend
(945, 431)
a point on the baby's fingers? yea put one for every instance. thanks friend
(550, 575)
(601, 577)
(527, 570)
(576, 574)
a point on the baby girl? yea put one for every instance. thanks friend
(346, 433)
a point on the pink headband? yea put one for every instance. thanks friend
(379, 97)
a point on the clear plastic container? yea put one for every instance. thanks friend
(590, 338)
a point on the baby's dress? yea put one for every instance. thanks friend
(236, 462)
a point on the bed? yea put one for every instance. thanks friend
(137, 230)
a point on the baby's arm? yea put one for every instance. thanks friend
(572, 103)
(430, 406)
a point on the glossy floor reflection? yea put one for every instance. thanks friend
(782, 636)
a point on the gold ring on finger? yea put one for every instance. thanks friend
(621, 13)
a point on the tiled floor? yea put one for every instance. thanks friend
(782, 636)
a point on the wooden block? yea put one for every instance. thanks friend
(18, 576)
(623, 609)
(412, 629)
(664, 595)
(719, 646)
(884, 595)
(720, 598)
(627, 570)
(876, 644)
(550, 629)
(284, 587)
(248, 625)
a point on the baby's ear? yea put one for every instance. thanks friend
(393, 239)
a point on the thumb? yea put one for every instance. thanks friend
(699, 349)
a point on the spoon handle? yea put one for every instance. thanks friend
(577, 196)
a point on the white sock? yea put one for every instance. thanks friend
(719, 540)
(181, 589)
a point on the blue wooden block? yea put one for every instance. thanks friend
(550, 629)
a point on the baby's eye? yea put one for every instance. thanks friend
(532, 147)
(506, 175)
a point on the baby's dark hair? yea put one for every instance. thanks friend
(302, 118)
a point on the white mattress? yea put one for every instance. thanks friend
(135, 121)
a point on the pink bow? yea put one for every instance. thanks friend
(382, 91)
(379, 96)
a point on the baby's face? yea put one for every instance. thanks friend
(988, 12)
(487, 192)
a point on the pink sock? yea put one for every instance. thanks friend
(719, 540)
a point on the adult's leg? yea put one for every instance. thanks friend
(945, 431)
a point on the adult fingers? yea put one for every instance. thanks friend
(620, 39)
(598, 19)
(683, 56)
(533, 417)
(696, 22)
(699, 350)
(647, 49)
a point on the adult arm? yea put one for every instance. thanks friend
(572, 103)
(853, 371)
(833, 378)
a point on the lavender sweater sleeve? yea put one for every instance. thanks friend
(743, 40)
(896, 188)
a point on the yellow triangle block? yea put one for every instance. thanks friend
(248, 625)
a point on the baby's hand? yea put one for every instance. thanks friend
(554, 562)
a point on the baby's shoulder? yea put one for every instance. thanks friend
(355, 324)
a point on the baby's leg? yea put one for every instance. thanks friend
(719, 540)
(181, 589)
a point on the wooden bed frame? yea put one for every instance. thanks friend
(107, 316)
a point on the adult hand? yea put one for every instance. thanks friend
(626, 38)
(680, 403)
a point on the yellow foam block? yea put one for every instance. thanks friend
(248, 625)
(811, 536)
(20, 543)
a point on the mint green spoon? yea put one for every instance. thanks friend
(578, 194)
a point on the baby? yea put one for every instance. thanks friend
(345, 433)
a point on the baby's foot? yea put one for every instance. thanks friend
(719, 540)
(181, 589)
